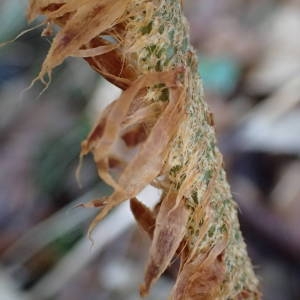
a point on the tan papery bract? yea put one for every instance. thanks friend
(108, 131)
(39, 7)
(168, 234)
(112, 64)
(89, 20)
(201, 278)
(140, 171)
(94, 51)
(143, 215)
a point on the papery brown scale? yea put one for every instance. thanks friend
(206, 283)
(199, 283)
(143, 216)
(97, 132)
(63, 19)
(69, 6)
(103, 171)
(201, 278)
(114, 162)
(141, 171)
(51, 7)
(89, 21)
(108, 71)
(72, 30)
(117, 112)
(183, 253)
(94, 51)
(146, 114)
(246, 294)
(135, 136)
(108, 204)
(36, 7)
(111, 65)
(66, 39)
(168, 234)
(150, 135)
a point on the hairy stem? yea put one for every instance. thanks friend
(161, 115)
(161, 41)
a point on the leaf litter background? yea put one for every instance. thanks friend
(249, 60)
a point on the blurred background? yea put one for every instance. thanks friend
(249, 53)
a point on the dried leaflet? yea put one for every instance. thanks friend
(160, 131)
